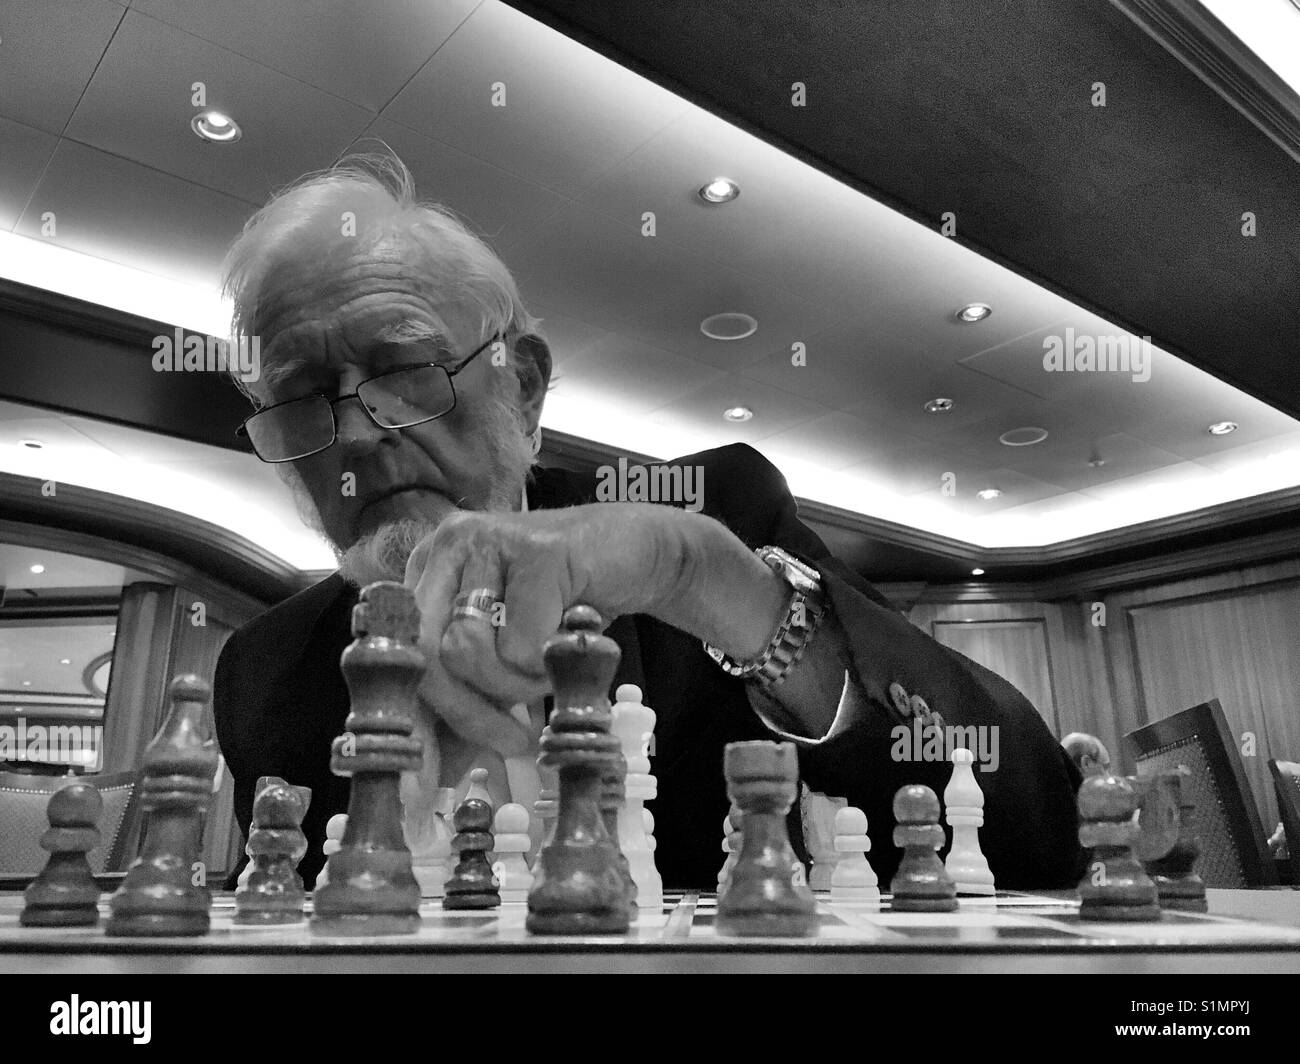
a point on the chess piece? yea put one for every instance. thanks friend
(65, 894)
(510, 829)
(613, 796)
(334, 829)
(817, 814)
(472, 885)
(761, 896)
(853, 878)
(632, 723)
(163, 892)
(371, 889)
(273, 892)
(732, 842)
(478, 786)
(1178, 886)
(921, 885)
(547, 806)
(578, 886)
(963, 803)
(1114, 886)
(429, 840)
(656, 884)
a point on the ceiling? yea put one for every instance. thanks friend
(95, 103)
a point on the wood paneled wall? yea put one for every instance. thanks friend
(1109, 660)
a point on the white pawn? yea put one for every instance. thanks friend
(547, 806)
(964, 802)
(656, 880)
(334, 829)
(428, 835)
(633, 725)
(510, 843)
(732, 843)
(853, 878)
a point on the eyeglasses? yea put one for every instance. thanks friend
(398, 399)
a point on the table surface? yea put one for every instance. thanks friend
(1245, 931)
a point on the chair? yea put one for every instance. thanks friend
(23, 800)
(1286, 781)
(1233, 850)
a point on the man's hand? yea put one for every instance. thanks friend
(615, 557)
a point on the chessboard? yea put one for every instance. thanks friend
(1010, 932)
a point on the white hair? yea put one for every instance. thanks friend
(375, 193)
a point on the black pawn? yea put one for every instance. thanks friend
(165, 892)
(65, 894)
(274, 892)
(472, 885)
(921, 884)
(1114, 886)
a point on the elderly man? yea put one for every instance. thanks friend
(401, 394)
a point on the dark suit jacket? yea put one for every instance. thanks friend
(280, 701)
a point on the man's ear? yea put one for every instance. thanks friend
(533, 367)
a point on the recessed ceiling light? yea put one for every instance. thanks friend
(65, 661)
(31, 445)
(38, 568)
(729, 325)
(216, 127)
(1222, 428)
(939, 406)
(973, 312)
(989, 493)
(1025, 436)
(720, 190)
(27, 683)
(738, 413)
(977, 572)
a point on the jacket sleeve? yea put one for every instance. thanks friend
(894, 673)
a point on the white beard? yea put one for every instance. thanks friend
(382, 554)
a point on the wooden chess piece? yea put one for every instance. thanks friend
(472, 884)
(273, 893)
(963, 802)
(371, 888)
(1178, 886)
(511, 842)
(733, 840)
(761, 896)
(613, 796)
(578, 887)
(65, 893)
(853, 880)
(164, 891)
(633, 723)
(817, 813)
(921, 884)
(335, 826)
(1114, 886)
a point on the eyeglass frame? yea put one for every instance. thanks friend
(242, 431)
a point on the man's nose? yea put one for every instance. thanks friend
(356, 431)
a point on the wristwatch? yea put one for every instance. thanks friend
(807, 607)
